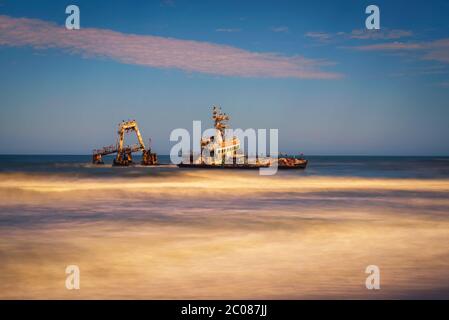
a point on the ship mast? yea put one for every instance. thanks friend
(220, 120)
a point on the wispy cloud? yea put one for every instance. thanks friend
(168, 3)
(437, 50)
(388, 46)
(359, 34)
(444, 84)
(159, 52)
(228, 30)
(319, 36)
(425, 70)
(280, 29)
(382, 34)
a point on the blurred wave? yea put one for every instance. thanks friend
(167, 233)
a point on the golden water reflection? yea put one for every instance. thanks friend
(241, 235)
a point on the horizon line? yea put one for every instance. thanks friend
(305, 155)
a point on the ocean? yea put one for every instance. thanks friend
(350, 166)
(169, 233)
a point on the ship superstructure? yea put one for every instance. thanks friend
(215, 150)
(222, 152)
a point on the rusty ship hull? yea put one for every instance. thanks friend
(301, 165)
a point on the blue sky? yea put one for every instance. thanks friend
(309, 69)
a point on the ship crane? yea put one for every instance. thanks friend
(124, 152)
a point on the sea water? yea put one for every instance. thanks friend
(165, 232)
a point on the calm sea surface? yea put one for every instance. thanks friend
(351, 166)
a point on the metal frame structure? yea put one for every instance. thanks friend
(124, 153)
